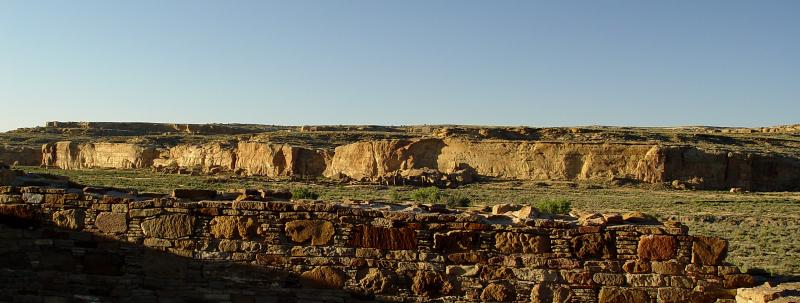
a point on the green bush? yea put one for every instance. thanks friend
(430, 195)
(554, 206)
(457, 200)
(304, 193)
(433, 195)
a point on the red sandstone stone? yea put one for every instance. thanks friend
(580, 278)
(709, 250)
(455, 241)
(427, 284)
(316, 232)
(657, 247)
(738, 281)
(590, 246)
(383, 237)
(509, 243)
(194, 194)
(498, 292)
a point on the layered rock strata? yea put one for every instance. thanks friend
(73, 155)
(532, 160)
(247, 158)
(448, 162)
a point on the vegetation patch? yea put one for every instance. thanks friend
(554, 206)
(304, 193)
(434, 195)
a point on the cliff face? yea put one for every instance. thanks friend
(522, 160)
(723, 169)
(248, 158)
(551, 161)
(206, 157)
(530, 160)
(71, 155)
(366, 160)
(503, 159)
(277, 160)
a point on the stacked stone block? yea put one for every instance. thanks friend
(62, 245)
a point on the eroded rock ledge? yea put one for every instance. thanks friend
(449, 161)
(67, 243)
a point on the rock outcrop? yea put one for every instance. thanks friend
(448, 162)
(207, 157)
(719, 169)
(531, 160)
(521, 160)
(73, 155)
(247, 158)
(279, 160)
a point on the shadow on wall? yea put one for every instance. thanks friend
(40, 263)
(424, 154)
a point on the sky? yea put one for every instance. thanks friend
(534, 63)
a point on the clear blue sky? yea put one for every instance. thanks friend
(647, 63)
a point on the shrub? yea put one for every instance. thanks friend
(304, 193)
(433, 195)
(430, 195)
(554, 206)
(457, 200)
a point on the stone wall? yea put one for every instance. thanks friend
(11, 155)
(91, 245)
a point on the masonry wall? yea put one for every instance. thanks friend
(20, 155)
(65, 245)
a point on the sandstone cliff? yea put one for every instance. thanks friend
(277, 160)
(530, 160)
(521, 160)
(366, 160)
(206, 157)
(503, 159)
(247, 158)
(721, 169)
(72, 155)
